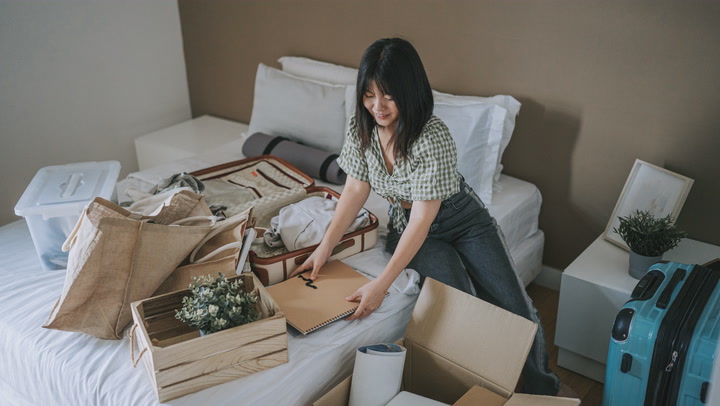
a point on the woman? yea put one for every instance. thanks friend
(438, 226)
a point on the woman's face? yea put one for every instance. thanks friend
(382, 107)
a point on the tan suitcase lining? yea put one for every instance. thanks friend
(261, 184)
(264, 184)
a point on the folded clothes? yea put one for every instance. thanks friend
(178, 180)
(182, 179)
(150, 205)
(304, 223)
(314, 162)
(151, 201)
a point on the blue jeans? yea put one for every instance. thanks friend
(466, 249)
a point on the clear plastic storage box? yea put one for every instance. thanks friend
(54, 200)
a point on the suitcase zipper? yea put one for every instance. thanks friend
(701, 299)
(683, 323)
(657, 378)
(673, 358)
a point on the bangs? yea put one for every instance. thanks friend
(381, 81)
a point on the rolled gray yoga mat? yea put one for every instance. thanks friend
(314, 162)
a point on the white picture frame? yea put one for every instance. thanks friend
(651, 188)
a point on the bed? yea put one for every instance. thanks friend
(48, 367)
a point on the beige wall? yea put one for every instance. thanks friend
(79, 80)
(601, 82)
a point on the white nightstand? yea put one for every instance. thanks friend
(592, 291)
(185, 139)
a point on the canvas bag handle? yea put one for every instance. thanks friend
(72, 237)
(195, 219)
(70, 240)
(221, 226)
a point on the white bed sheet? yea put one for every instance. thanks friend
(516, 203)
(48, 367)
(516, 208)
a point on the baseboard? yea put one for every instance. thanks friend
(549, 277)
(581, 365)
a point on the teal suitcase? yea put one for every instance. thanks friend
(664, 340)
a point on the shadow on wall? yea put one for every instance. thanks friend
(703, 197)
(541, 152)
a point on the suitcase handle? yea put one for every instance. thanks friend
(338, 249)
(664, 298)
(648, 285)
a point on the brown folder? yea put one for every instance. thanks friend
(307, 308)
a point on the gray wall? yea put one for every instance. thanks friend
(79, 80)
(602, 83)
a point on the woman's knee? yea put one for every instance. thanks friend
(445, 269)
(460, 281)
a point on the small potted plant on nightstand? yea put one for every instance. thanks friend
(217, 304)
(649, 238)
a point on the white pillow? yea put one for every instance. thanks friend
(302, 110)
(324, 71)
(477, 129)
(507, 102)
(350, 103)
(338, 74)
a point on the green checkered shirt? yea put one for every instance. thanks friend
(429, 174)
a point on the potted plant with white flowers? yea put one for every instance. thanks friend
(649, 238)
(217, 304)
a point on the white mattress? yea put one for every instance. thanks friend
(48, 367)
(516, 203)
(52, 367)
(515, 207)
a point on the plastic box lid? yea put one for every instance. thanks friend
(62, 190)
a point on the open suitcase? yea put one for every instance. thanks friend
(268, 183)
(664, 340)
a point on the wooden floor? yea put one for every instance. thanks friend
(546, 301)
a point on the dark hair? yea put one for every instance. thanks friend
(395, 67)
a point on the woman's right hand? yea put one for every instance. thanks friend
(354, 195)
(315, 261)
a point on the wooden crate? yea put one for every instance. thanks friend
(179, 361)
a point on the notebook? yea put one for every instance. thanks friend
(308, 308)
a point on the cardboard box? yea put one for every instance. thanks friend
(477, 395)
(179, 361)
(456, 342)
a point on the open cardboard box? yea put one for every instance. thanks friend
(460, 345)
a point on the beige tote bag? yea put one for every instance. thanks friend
(117, 257)
(219, 252)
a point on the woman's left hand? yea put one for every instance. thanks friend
(371, 296)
